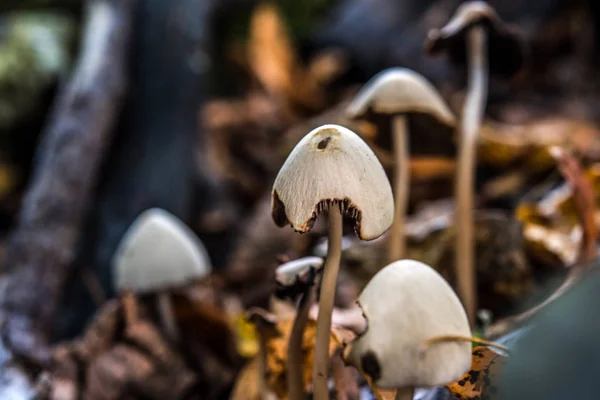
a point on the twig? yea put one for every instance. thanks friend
(40, 251)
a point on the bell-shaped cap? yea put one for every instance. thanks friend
(506, 49)
(401, 91)
(293, 278)
(157, 252)
(288, 273)
(405, 304)
(333, 167)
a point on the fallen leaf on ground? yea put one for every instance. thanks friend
(276, 342)
(502, 145)
(480, 381)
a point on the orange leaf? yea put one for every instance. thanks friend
(479, 381)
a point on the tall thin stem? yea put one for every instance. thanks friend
(295, 377)
(471, 122)
(405, 393)
(326, 297)
(397, 243)
(167, 319)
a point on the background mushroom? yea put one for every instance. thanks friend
(406, 304)
(158, 253)
(400, 92)
(296, 280)
(465, 37)
(332, 169)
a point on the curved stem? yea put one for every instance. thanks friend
(326, 297)
(470, 124)
(295, 378)
(405, 393)
(167, 319)
(397, 243)
(459, 338)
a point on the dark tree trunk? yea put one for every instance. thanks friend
(41, 249)
(152, 162)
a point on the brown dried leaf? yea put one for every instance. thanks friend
(502, 145)
(379, 393)
(246, 384)
(480, 381)
(65, 375)
(345, 379)
(277, 354)
(561, 228)
(261, 241)
(427, 168)
(270, 51)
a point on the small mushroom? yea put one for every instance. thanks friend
(158, 253)
(465, 37)
(407, 304)
(332, 170)
(295, 280)
(400, 92)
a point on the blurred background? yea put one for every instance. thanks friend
(194, 106)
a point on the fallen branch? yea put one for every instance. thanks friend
(41, 249)
(584, 199)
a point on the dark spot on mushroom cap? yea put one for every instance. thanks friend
(278, 210)
(370, 366)
(323, 143)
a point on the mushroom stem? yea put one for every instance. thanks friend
(396, 244)
(470, 124)
(295, 379)
(406, 393)
(459, 338)
(262, 365)
(326, 297)
(167, 319)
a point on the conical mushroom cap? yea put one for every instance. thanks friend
(506, 49)
(399, 91)
(405, 304)
(287, 273)
(333, 166)
(159, 251)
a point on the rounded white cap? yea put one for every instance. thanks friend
(405, 304)
(159, 251)
(400, 91)
(287, 273)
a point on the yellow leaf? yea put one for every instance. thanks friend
(277, 354)
(479, 382)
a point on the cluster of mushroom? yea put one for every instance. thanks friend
(417, 329)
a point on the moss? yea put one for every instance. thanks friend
(34, 51)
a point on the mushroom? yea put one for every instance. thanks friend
(332, 170)
(400, 92)
(157, 253)
(464, 37)
(407, 304)
(295, 280)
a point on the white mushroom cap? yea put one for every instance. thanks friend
(287, 273)
(399, 91)
(333, 166)
(405, 304)
(159, 251)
